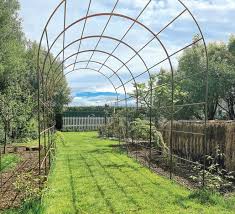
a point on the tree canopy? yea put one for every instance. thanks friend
(18, 78)
(189, 84)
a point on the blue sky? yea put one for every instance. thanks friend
(216, 18)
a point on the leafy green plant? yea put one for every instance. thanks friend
(9, 161)
(204, 196)
(27, 186)
(116, 128)
(140, 130)
(216, 178)
(59, 138)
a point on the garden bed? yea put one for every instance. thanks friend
(183, 170)
(159, 166)
(26, 168)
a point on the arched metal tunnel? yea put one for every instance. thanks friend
(65, 53)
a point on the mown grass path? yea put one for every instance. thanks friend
(90, 176)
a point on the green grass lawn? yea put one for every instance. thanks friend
(89, 176)
(9, 161)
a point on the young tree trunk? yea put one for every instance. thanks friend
(212, 108)
(5, 142)
(231, 112)
(6, 130)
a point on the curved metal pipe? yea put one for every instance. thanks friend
(99, 36)
(124, 89)
(109, 14)
(85, 51)
(117, 15)
(78, 69)
(72, 64)
(107, 37)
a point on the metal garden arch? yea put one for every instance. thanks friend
(46, 84)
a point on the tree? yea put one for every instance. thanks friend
(58, 94)
(190, 84)
(230, 94)
(14, 110)
(161, 95)
(18, 77)
(191, 75)
(221, 76)
(11, 43)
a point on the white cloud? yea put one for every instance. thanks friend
(92, 101)
(215, 5)
(216, 18)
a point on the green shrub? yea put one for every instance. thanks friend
(116, 128)
(9, 161)
(25, 130)
(140, 130)
(59, 138)
(27, 186)
(204, 196)
(215, 177)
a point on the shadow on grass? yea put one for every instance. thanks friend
(116, 166)
(111, 149)
(114, 146)
(72, 186)
(140, 187)
(138, 171)
(116, 183)
(108, 203)
(99, 151)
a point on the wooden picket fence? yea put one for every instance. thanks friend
(83, 123)
(220, 135)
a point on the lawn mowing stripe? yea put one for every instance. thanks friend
(100, 180)
(108, 203)
(131, 199)
(138, 186)
(72, 187)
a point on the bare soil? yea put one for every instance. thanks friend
(142, 157)
(10, 197)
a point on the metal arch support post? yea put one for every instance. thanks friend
(40, 73)
(206, 90)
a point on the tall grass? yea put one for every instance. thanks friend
(9, 161)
